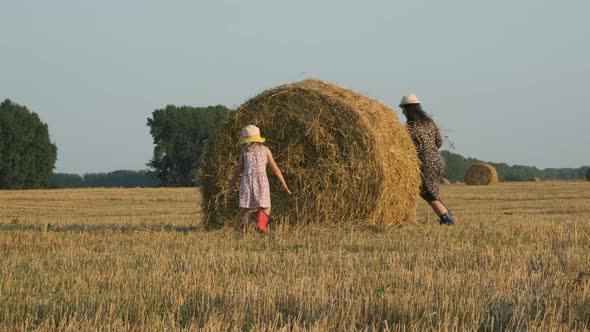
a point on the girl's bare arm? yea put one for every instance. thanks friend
(275, 169)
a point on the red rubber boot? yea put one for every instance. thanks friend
(262, 221)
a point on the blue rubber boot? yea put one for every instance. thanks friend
(447, 219)
(448, 210)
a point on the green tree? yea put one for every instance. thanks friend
(179, 134)
(27, 155)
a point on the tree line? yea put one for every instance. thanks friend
(180, 134)
(455, 171)
(119, 178)
(456, 165)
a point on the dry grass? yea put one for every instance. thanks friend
(116, 259)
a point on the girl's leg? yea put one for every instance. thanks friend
(246, 217)
(263, 217)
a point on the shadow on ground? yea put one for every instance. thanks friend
(77, 228)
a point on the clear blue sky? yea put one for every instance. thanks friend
(507, 80)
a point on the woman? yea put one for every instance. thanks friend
(427, 139)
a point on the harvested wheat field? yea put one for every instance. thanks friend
(139, 259)
(347, 158)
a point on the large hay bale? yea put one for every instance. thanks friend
(345, 157)
(535, 179)
(481, 174)
(444, 181)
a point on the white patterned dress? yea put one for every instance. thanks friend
(254, 187)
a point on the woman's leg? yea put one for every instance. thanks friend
(431, 197)
(443, 204)
(431, 173)
(446, 218)
(438, 207)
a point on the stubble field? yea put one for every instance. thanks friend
(519, 258)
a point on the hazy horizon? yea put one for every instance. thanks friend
(506, 81)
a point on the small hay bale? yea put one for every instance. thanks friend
(481, 174)
(535, 179)
(345, 157)
(444, 181)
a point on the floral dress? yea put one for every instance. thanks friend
(254, 187)
(427, 139)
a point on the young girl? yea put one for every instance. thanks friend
(426, 137)
(254, 187)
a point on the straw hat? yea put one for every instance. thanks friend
(251, 134)
(409, 99)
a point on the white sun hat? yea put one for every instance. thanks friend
(409, 99)
(251, 134)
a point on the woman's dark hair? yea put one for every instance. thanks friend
(415, 113)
